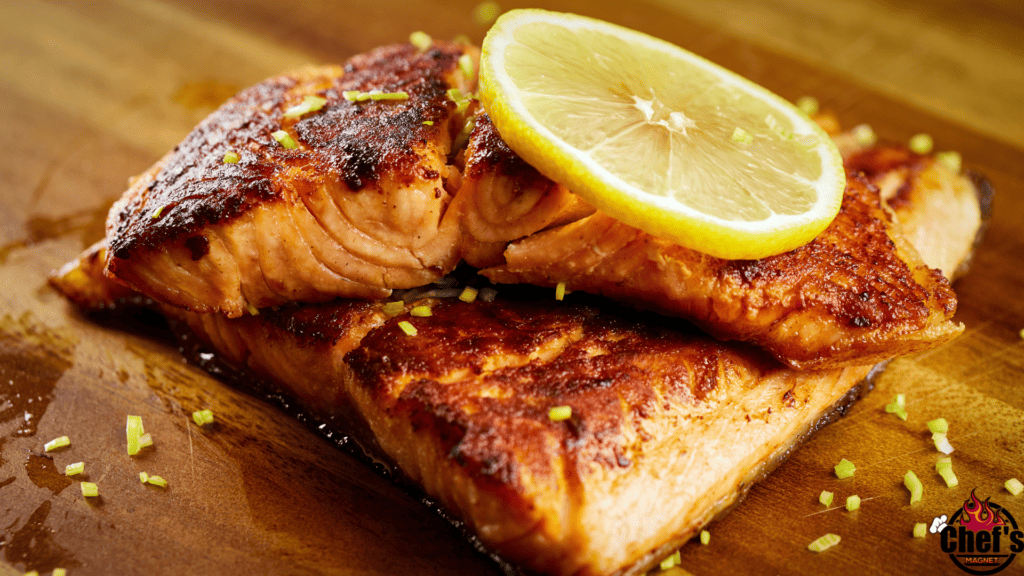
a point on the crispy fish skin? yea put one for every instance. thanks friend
(856, 294)
(356, 209)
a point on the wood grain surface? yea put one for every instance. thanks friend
(92, 93)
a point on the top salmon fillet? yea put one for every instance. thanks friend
(378, 196)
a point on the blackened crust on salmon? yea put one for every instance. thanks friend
(852, 270)
(316, 324)
(362, 141)
(490, 154)
(504, 365)
(357, 143)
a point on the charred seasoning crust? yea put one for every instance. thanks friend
(489, 153)
(830, 271)
(357, 143)
(486, 399)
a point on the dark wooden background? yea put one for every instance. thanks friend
(92, 93)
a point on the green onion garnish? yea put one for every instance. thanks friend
(59, 572)
(468, 294)
(57, 443)
(825, 497)
(742, 136)
(90, 490)
(375, 94)
(1013, 486)
(143, 477)
(824, 543)
(252, 310)
(421, 40)
(76, 468)
(157, 481)
(942, 443)
(807, 104)
(145, 441)
(844, 469)
(284, 140)
(944, 466)
(898, 406)
(864, 135)
(914, 485)
(466, 66)
(202, 417)
(671, 561)
(560, 291)
(559, 413)
(852, 503)
(309, 104)
(231, 157)
(428, 122)
(950, 160)
(705, 537)
(408, 328)
(420, 311)
(921, 143)
(156, 213)
(920, 529)
(393, 308)
(485, 13)
(31, 573)
(134, 431)
(938, 426)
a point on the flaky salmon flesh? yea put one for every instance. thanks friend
(380, 195)
(668, 427)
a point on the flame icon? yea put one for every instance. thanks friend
(978, 517)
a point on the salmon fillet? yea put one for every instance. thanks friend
(668, 426)
(356, 209)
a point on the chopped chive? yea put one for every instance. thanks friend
(1014, 486)
(421, 40)
(852, 503)
(393, 308)
(231, 157)
(143, 477)
(825, 497)
(309, 104)
(145, 441)
(350, 95)
(938, 426)
(252, 310)
(559, 413)
(921, 143)
(420, 311)
(944, 466)
(157, 481)
(845, 469)
(920, 529)
(60, 572)
(466, 66)
(202, 417)
(742, 136)
(950, 160)
(401, 95)
(408, 328)
(942, 443)
(57, 443)
(824, 543)
(468, 294)
(705, 537)
(90, 490)
(671, 561)
(864, 135)
(560, 291)
(284, 140)
(134, 431)
(76, 468)
(807, 104)
(898, 401)
(912, 483)
(31, 573)
(156, 213)
(485, 13)
(428, 122)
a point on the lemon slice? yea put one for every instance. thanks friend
(658, 137)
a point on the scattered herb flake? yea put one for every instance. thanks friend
(913, 484)
(57, 443)
(845, 469)
(824, 543)
(559, 413)
(852, 503)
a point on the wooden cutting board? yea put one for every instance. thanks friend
(93, 94)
